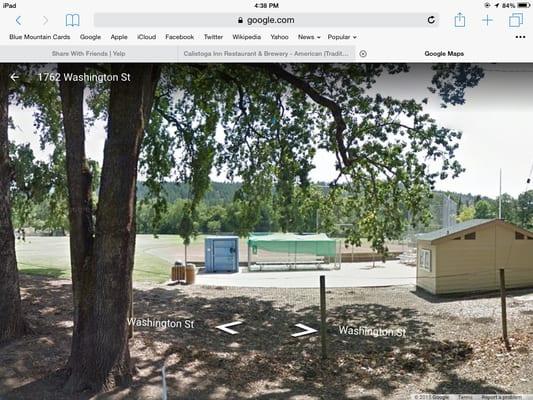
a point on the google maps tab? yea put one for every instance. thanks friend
(266, 53)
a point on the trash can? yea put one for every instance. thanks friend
(190, 274)
(178, 272)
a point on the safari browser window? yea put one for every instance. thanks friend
(272, 200)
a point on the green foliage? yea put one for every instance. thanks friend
(450, 81)
(263, 124)
(484, 210)
(29, 184)
(218, 193)
(509, 209)
(39, 190)
(466, 214)
(186, 227)
(525, 210)
(183, 123)
(39, 197)
(42, 97)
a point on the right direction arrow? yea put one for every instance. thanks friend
(307, 330)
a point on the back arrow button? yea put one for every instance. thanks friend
(18, 20)
(226, 327)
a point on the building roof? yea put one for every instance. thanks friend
(452, 230)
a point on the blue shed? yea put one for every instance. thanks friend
(222, 253)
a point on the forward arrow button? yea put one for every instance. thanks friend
(307, 330)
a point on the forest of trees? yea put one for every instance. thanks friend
(518, 211)
(218, 213)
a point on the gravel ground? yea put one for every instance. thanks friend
(451, 345)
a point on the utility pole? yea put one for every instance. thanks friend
(317, 216)
(503, 296)
(500, 198)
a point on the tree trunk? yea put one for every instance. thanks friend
(103, 359)
(79, 179)
(12, 324)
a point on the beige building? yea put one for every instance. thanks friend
(467, 257)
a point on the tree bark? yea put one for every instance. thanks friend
(102, 361)
(12, 324)
(79, 180)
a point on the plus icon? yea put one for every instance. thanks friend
(487, 20)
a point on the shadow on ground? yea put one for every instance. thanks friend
(262, 362)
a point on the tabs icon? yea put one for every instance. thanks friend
(516, 20)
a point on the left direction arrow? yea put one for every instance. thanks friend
(14, 77)
(226, 327)
(307, 330)
(18, 20)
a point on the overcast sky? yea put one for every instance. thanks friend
(496, 122)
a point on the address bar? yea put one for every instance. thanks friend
(328, 20)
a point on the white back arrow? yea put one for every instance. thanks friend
(226, 329)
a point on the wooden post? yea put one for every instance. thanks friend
(340, 254)
(249, 255)
(323, 316)
(504, 310)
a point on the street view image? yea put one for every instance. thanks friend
(265, 231)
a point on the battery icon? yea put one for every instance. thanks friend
(523, 5)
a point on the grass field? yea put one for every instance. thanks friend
(49, 256)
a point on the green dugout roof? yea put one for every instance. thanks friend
(320, 244)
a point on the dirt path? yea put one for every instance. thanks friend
(448, 346)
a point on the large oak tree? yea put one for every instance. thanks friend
(102, 255)
(12, 323)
